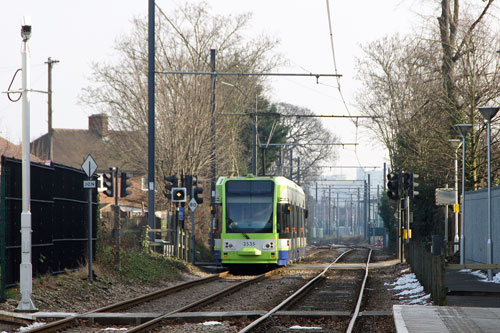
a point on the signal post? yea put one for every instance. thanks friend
(401, 187)
(189, 188)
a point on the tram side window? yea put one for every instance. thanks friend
(300, 227)
(287, 212)
(283, 219)
(279, 218)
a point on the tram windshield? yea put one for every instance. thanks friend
(249, 206)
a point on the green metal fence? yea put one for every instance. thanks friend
(429, 269)
(59, 210)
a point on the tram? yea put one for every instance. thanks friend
(259, 220)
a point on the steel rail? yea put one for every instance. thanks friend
(62, 323)
(294, 297)
(209, 299)
(360, 298)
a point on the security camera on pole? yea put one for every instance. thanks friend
(26, 304)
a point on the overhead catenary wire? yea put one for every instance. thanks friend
(338, 79)
(296, 115)
(316, 75)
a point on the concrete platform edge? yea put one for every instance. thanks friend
(398, 319)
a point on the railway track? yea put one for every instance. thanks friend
(294, 292)
(316, 292)
(152, 297)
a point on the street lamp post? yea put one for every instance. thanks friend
(488, 112)
(25, 280)
(456, 240)
(463, 129)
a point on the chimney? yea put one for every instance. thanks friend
(99, 124)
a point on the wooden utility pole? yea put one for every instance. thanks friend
(49, 63)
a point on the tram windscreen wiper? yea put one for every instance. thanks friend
(235, 228)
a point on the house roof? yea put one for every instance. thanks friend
(72, 146)
(9, 149)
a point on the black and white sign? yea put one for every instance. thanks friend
(89, 166)
(192, 204)
(89, 184)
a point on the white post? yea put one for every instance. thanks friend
(26, 304)
(462, 233)
(489, 246)
(463, 129)
(488, 112)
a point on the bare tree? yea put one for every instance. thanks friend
(183, 114)
(420, 93)
(184, 40)
(303, 135)
(454, 48)
(401, 80)
(405, 86)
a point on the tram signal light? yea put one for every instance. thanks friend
(197, 190)
(393, 180)
(179, 194)
(124, 184)
(413, 185)
(171, 183)
(107, 179)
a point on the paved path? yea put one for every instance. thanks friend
(430, 319)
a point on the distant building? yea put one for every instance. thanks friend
(376, 178)
(72, 146)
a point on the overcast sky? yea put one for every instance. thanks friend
(78, 33)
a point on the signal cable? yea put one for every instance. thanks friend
(10, 85)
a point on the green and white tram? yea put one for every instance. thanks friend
(260, 220)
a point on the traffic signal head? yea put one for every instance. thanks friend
(197, 190)
(171, 182)
(188, 184)
(393, 185)
(406, 178)
(413, 185)
(107, 179)
(179, 194)
(124, 184)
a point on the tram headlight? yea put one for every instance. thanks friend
(269, 246)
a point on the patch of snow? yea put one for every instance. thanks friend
(211, 323)
(479, 274)
(403, 280)
(482, 276)
(113, 329)
(34, 325)
(421, 300)
(410, 285)
(410, 289)
(297, 327)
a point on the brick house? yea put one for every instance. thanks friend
(71, 147)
